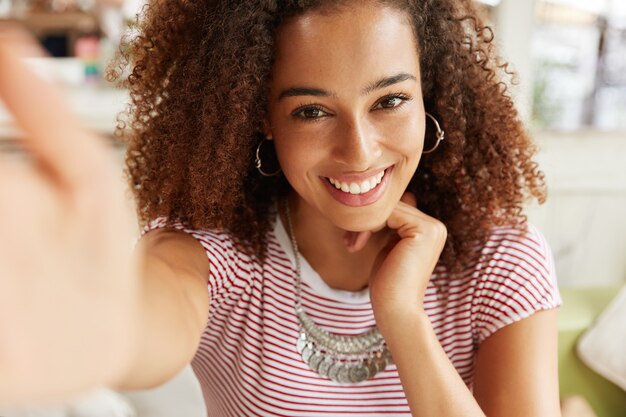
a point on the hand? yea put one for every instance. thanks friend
(404, 266)
(68, 280)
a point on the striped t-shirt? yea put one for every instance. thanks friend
(247, 363)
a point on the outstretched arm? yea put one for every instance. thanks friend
(173, 310)
(77, 308)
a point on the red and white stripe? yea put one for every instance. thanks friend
(247, 363)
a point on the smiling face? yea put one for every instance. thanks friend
(346, 112)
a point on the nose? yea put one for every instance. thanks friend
(356, 145)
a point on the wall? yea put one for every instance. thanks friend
(584, 218)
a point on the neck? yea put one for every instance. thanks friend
(321, 243)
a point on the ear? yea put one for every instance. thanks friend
(267, 130)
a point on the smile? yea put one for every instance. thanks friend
(358, 192)
(358, 188)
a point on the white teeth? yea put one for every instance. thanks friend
(362, 188)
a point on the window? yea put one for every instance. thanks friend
(579, 64)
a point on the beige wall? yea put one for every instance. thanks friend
(584, 218)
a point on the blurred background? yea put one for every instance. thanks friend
(570, 59)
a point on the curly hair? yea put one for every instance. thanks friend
(198, 82)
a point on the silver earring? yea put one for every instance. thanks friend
(257, 161)
(439, 135)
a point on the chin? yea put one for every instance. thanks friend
(360, 220)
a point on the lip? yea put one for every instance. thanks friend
(359, 200)
(359, 178)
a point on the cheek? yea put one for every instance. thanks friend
(299, 146)
(296, 157)
(406, 136)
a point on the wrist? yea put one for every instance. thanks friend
(406, 332)
(395, 318)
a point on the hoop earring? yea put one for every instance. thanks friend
(257, 161)
(439, 135)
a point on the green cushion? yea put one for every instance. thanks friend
(579, 310)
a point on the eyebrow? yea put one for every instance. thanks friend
(304, 91)
(319, 92)
(387, 81)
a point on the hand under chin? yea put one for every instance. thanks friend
(355, 241)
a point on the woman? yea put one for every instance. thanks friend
(290, 165)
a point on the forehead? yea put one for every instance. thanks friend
(349, 47)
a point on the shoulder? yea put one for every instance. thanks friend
(213, 241)
(226, 264)
(515, 277)
(518, 258)
(524, 244)
(183, 244)
(179, 250)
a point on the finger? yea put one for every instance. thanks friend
(22, 40)
(409, 198)
(355, 241)
(52, 133)
(406, 219)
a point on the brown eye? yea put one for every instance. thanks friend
(310, 113)
(391, 102)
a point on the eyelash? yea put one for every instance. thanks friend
(297, 113)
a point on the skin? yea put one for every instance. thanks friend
(78, 308)
(139, 303)
(390, 245)
(348, 131)
(52, 270)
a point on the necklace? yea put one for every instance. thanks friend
(344, 359)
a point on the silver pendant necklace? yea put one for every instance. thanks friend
(344, 359)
